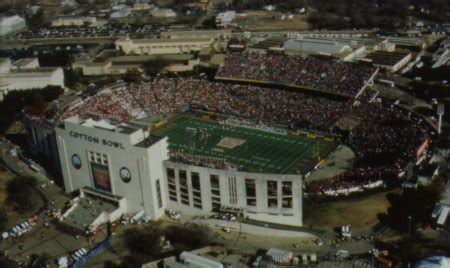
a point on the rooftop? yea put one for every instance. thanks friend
(24, 61)
(317, 46)
(87, 209)
(168, 40)
(386, 58)
(103, 124)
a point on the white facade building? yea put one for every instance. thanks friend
(162, 46)
(73, 21)
(117, 159)
(23, 75)
(224, 19)
(163, 13)
(11, 24)
(130, 163)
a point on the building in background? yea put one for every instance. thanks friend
(163, 13)
(327, 47)
(12, 24)
(162, 46)
(24, 74)
(390, 61)
(121, 64)
(73, 21)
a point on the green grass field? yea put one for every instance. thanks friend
(253, 150)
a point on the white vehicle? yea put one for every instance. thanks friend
(137, 217)
(174, 214)
(226, 230)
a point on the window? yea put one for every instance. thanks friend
(196, 189)
(287, 202)
(272, 194)
(251, 202)
(272, 190)
(250, 190)
(100, 171)
(183, 187)
(170, 173)
(250, 187)
(195, 180)
(215, 191)
(286, 187)
(98, 158)
(214, 181)
(272, 203)
(286, 190)
(172, 184)
(158, 193)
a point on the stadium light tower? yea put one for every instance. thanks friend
(440, 112)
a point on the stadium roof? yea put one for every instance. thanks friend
(247, 149)
(386, 58)
(317, 46)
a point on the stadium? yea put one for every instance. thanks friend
(192, 144)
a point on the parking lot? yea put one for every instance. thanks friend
(111, 30)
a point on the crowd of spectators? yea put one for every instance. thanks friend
(384, 139)
(355, 180)
(181, 155)
(345, 78)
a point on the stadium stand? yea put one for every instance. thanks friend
(341, 78)
(384, 138)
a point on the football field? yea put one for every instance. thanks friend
(249, 149)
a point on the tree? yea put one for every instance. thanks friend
(71, 77)
(3, 218)
(132, 76)
(155, 66)
(192, 235)
(21, 193)
(36, 20)
(416, 203)
(143, 241)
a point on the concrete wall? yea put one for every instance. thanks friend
(33, 79)
(290, 216)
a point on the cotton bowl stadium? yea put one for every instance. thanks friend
(208, 146)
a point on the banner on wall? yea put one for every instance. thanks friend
(100, 175)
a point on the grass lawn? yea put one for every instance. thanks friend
(359, 213)
(249, 149)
